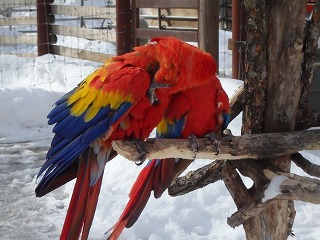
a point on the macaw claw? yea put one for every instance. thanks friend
(216, 143)
(142, 152)
(194, 145)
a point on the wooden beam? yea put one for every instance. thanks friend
(105, 12)
(16, 21)
(80, 54)
(166, 4)
(189, 36)
(87, 33)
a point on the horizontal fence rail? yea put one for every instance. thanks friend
(16, 21)
(88, 33)
(166, 4)
(101, 12)
(18, 39)
(80, 54)
(17, 3)
(189, 36)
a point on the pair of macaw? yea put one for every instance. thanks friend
(166, 84)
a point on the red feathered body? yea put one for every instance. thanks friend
(198, 111)
(123, 99)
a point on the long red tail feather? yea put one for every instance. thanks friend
(83, 201)
(155, 176)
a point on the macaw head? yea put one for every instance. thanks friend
(181, 65)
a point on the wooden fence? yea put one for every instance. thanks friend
(49, 22)
(11, 11)
(126, 24)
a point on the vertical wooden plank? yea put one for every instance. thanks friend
(209, 28)
(43, 26)
(124, 26)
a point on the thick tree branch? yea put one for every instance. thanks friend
(235, 185)
(293, 187)
(306, 165)
(231, 147)
(197, 179)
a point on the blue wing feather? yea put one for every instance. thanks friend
(59, 113)
(64, 150)
(226, 120)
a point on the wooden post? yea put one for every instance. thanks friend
(43, 27)
(238, 36)
(272, 90)
(209, 28)
(124, 26)
(136, 24)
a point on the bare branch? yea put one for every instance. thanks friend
(232, 147)
(234, 184)
(236, 103)
(294, 188)
(291, 216)
(197, 179)
(310, 168)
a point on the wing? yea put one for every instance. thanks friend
(91, 111)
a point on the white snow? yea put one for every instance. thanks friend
(29, 88)
(274, 187)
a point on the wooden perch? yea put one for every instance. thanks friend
(231, 147)
(295, 187)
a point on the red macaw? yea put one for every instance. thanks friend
(123, 99)
(195, 112)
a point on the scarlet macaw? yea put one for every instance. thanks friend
(123, 99)
(195, 112)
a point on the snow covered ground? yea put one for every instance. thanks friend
(26, 98)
